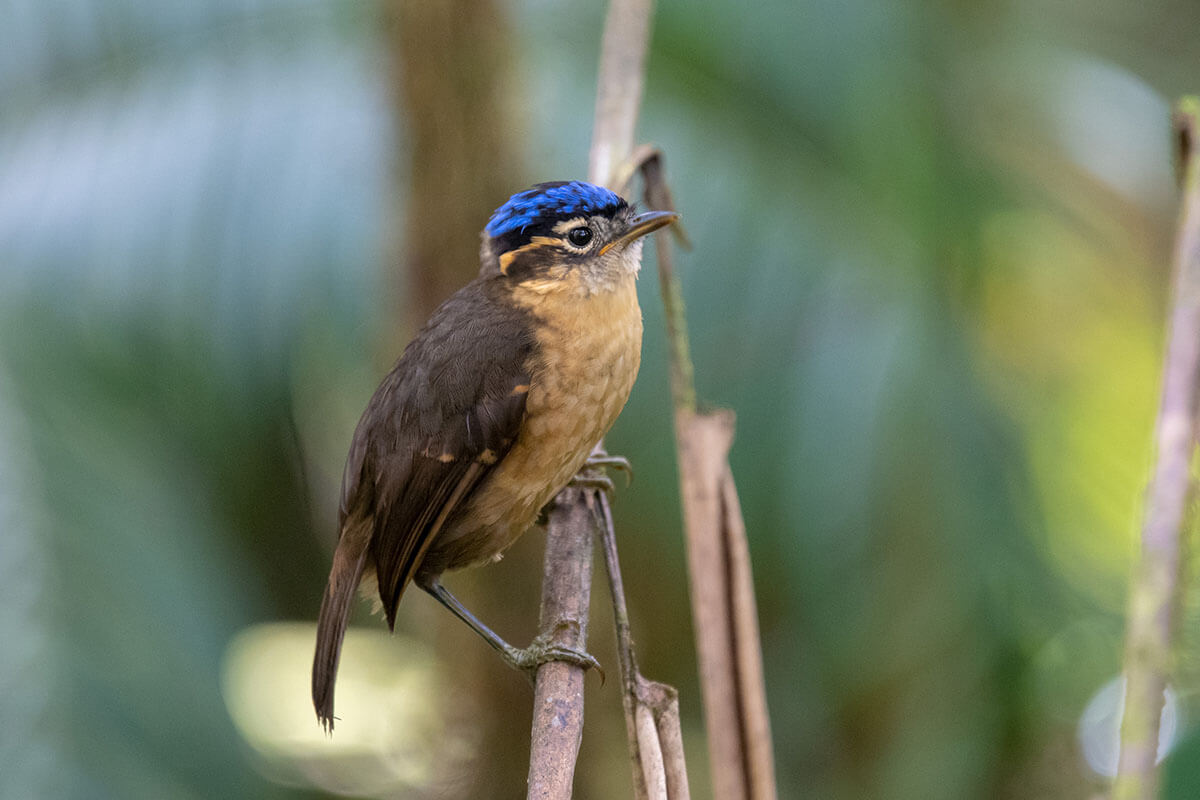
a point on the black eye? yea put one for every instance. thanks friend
(579, 236)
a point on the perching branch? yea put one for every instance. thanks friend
(566, 595)
(1154, 599)
(558, 695)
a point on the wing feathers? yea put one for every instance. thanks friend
(435, 428)
(441, 475)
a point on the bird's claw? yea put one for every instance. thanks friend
(590, 476)
(542, 650)
(602, 460)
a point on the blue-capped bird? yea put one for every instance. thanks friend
(491, 410)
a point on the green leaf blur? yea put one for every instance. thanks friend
(931, 249)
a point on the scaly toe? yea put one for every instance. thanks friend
(602, 460)
(601, 482)
(540, 651)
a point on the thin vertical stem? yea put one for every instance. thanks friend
(572, 526)
(683, 382)
(619, 88)
(1155, 594)
(724, 613)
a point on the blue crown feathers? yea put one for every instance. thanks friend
(550, 199)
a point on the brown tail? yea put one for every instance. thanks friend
(348, 562)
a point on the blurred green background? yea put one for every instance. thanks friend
(931, 245)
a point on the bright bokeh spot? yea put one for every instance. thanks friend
(1100, 727)
(391, 733)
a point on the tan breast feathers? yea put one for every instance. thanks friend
(590, 353)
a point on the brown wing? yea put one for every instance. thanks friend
(418, 490)
(447, 413)
(442, 418)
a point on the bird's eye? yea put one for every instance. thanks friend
(580, 236)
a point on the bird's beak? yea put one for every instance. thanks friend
(640, 225)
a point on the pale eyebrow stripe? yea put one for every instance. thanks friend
(567, 224)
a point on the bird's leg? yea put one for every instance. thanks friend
(527, 661)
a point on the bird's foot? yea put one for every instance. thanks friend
(590, 476)
(542, 650)
(595, 481)
(602, 460)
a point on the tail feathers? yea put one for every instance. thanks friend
(348, 563)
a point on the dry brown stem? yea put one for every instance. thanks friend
(723, 608)
(651, 708)
(725, 618)
(619, 86)
(571, 527)
(566, 595)
(1155, 594)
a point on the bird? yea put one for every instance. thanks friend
(493, 407)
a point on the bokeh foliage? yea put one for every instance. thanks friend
(931, 245)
